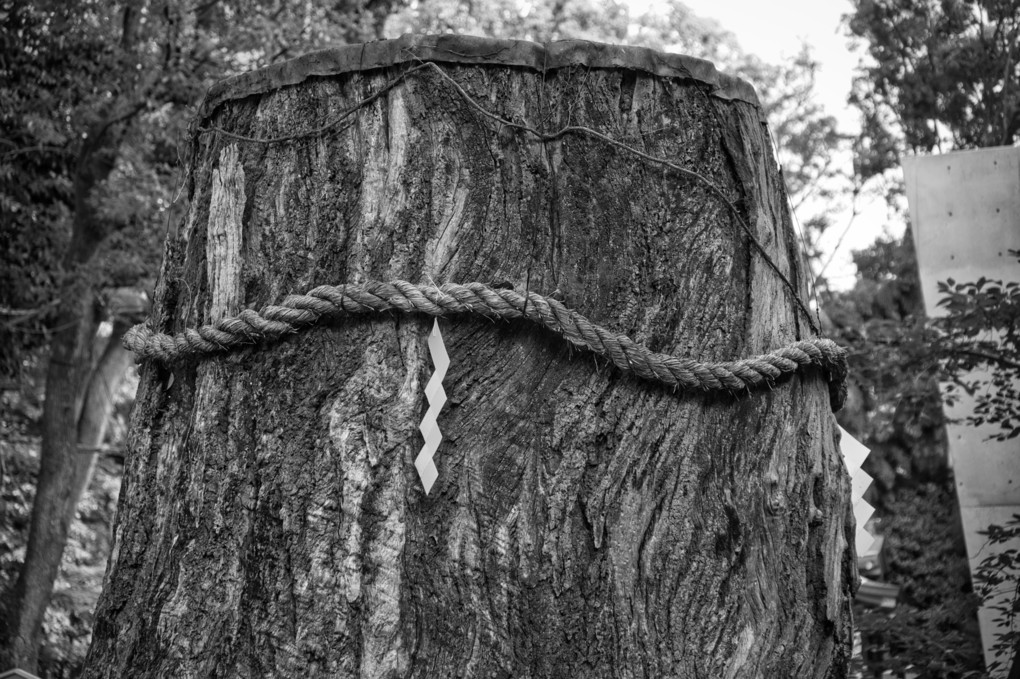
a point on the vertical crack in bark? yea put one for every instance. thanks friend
(384, 195)
(370, 426)
(223, 245)
(552, 160)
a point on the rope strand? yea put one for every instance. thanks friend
(299, 312)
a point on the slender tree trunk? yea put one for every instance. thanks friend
(62, 477)
(584, 522)
(60, 470)
(70, 406)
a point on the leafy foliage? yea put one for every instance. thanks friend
(981, 332)
(36, 197)
(997, 580)
(896, 406)
(902, 356)
(933, 629)
(943, 74)
(671, 26)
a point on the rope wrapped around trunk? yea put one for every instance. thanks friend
(328, 302)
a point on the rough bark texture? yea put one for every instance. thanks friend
(585, 523)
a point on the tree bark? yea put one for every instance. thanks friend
(584, 522)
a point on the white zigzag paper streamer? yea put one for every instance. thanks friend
(854, 454)
(436, 396)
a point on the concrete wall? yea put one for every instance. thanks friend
(965, 216)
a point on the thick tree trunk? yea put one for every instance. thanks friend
(585, 522)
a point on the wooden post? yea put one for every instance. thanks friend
(585, 522)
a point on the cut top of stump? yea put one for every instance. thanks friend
(466, 49)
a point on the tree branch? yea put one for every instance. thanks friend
(990, 358)
(33, 149)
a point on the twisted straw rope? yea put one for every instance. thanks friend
(325, 302)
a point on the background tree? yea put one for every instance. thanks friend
(942, 74)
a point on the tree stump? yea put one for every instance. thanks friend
(585, 522)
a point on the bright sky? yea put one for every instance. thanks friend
(775, 31)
